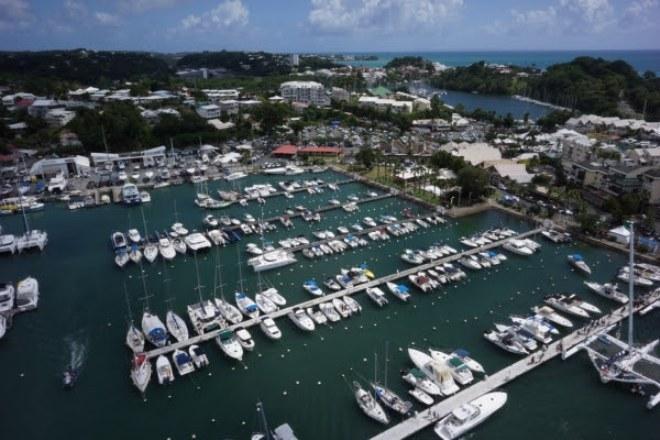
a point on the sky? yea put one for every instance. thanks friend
(329, 25)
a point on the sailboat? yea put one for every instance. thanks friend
(388, 397)
(134, 337)
(245, 304)
(226, 309)
(150, 250)
(33, 238)
(141, 372)
(152, 326)
(205, 314)
(369, 405)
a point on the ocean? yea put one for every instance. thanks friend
(642, 60)
(301, 379)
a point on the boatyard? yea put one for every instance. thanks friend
(300, 376)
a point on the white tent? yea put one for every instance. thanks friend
(620, 234)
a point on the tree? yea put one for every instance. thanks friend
(588, 222)
(366, 156)
(474, 182)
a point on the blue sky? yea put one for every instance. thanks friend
(329, 25)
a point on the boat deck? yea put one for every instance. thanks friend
(350, 291)
(429, 416)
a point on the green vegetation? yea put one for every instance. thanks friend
(478, 77)
(550, 121)
(251, 63)
(409, 61)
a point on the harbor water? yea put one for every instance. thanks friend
(302, 378)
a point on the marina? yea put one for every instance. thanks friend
(303, 385)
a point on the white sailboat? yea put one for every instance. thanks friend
(152, 326)
(134, 337)
(245, 304)
(369, 405)
(150, 250)
(141, 372)
(33, 238)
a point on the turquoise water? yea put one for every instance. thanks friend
(502, 105)
(299, 377)
(642, 60)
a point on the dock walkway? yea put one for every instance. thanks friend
(350, 291)
(429, 416)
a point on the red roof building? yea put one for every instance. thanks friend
(285, 150)
(319, 151)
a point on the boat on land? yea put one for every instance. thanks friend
(469, 415)
(608, 290)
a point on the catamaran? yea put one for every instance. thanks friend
(469, 415)
(272, 260)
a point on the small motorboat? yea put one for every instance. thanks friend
(421, 396)
(578, 262)
(70, 377)
(312, 287)
(164, 370)
(270, 329)
(183, 362)
(199, 359)
(245, 339)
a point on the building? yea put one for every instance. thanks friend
(219, 125)
(40, 107)
(228, 106)
(319, 151)
(340, 95)
(67, 166)
(286, 150)
(475, 154)
(59, 117)
(511, 170)
(209, 111)
(651, 184)
(217, 95)
(384, 104)
(294, 59)
(308, 92)
(147, 158)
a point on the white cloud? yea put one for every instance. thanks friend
(381, 15)
(596, 13)
(539, 18)
(230, 13)
(146, 5)
(106, 19)
(15, 14)
(75, 9)
(638, 13)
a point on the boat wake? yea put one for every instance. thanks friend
(77, 352)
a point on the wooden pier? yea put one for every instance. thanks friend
(350, 291)
(562, 346)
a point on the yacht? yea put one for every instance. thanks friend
(253, 249)
(176, 326)
(638, 280)
(369, 405)
(228, 311)
(178, 230)
(574, 299)
(153, 329)
(330, 312)
(301, 320)
(7, 243)
(150, 252)
(561, 303)
(377, 296)
(245, 339)
(141, 372)
(230, 345)
(332, 284)
(391, 400)
(312, 287)
(246, 305)
(7, 297)
(469, 415)
(519, 247)
(134, 339)
(183, 362)
(272, 260)
(434, 370)
(197, 241)
(341, 307)
(473, 365)
(412, 257)
(535, 327)
(272, 294)
(130, 194)
(459, 371)
(578, 262)
(470, 262)
(398, 290)
(556, 236)
(352, 304)
(133, 236)
(609, 291)
(421, 281)
(421, 396)
(33, 238)
(549, 314)
(166, 249)
(235, 175)
(210, 221)
(265, 304)
(164, 370)
(419, 380)
(505, 341)
(270, 329)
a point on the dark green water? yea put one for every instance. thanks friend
(299, 377)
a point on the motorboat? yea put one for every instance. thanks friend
(638, 280)
(312, 287)
(434, 370)
(272, 294)
(519, 247)
(419, 380)
(70, 375)
(166, 249)
(228, 311)
(199, 359)
(421, 281)
(130, 194)
(352, 304)
(549, 314)
(330, 312)
(265, 304)
(179, 245)
(469, 415)
(608, 290)
(459, 371)
(153, 329)
(535, 327)
(506, 341)
(179, 230)
(316, 315)
(134, 236)
(121, 257)
(272, 260)
(176, 326)
(473, 365)
(574, 299)
(141, 372)
(470, 262)
(245, 339)
(391, 400)
(377, 296)
(134, 254)
(332, 284)
(369, 404)
(252, 248)
(7, 297)
(182, 362)
(421, 396)
(409, 256)
(134, 339)
(270, 329)
(341, 307)
(230, 345)
(302, 320)
(246, 305)
(578, 262)
(164, 370)
(197, 242)
(57, 184)
(561, 303)
(150, 252)
(210, 221)
(401, 291)
(556, 236)
(7, 243)
(118, 241)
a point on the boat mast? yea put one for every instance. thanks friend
(217, 276)
(128, 304)
(262, 414)
(240, 272)
(144, 287)
(144, 225)
(199, 286)
(631, 279)
(386, 360)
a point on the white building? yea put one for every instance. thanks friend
(209, 111)
(475, 154)
(308, 92)
(382, 104)
(67, 166)
(217, 95)
(59, 117)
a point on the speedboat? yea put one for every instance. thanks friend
(179, 245)
(519, 247)
(468, 361)
(469, 415)
(265, 304)
(369, 405)
(329, 311)
(301, 320)
(246, 305)
(121, 257)
(176, 326)
(253, 249)
(421, 281)
(312, 287)
(412, 257)
(341, 307)
(518, 334)
(141, 372)
(421, 396)
(459, 371)
(7, 297)
(332, 284)
(153, 329)
(230, 345)
(183, 362)
(549, 314)
(391, 400)
(134, 339)
(272, 260)
(166, 249)
(578, 262)
(134, 254)
(318, 316)
(535, 327)
(418, 379)
(561, 303)
(574, 299)
(210, 221)
(270, 329)
(272, 294)
(179, 230)
(245, 339)
(70, 375)
(134, 236)
(377, 296)
(398, 290)
(434, 370)
(352, 304)
(470, 262)
(118, 241)
(164, 370)
(608, 290)
(150, 252)
(505, 341)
